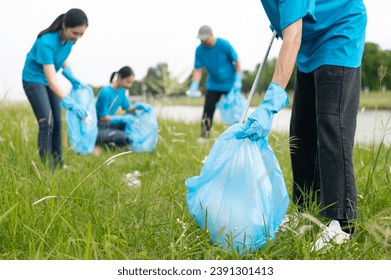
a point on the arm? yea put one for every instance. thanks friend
(65, 64)
(66, 101)
(238, 76)
(68, 73)
(50, 74)
(105, 118)
(259, 123)
(195, 83)
(238, 67)
(288, 53)
(197, 75)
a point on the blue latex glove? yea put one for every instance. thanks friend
(67, 73)
(194, 86)
(259, 123)
(142, 106)
(68, 103)
(238, 81)
(125, 119)
(193, 90)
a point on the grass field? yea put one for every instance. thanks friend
(90, 212)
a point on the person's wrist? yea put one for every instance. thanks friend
(194, 85)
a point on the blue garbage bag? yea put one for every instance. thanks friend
(144, 131)
(231, 106)
(240, 196)
(82, 134)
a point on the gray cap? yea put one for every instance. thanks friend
(204, 32)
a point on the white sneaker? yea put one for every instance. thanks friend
(332, 234)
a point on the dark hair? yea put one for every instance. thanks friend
(124, 72)
(72, 18)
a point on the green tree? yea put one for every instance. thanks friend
(137, 88)
(373, 58)
(159, 81)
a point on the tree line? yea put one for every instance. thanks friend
(160, 82)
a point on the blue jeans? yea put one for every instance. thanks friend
(322, 130)
(47, 110)
(112, 134)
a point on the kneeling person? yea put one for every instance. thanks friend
(110, 98)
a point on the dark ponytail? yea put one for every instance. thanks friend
(124, 72)
(72, 18)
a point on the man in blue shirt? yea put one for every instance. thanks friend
(222, 63)
(325, 38)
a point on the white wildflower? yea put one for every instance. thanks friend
(131, 179)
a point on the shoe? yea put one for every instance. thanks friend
(332, 234)
(205, 128)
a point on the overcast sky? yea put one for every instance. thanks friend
(143, 33)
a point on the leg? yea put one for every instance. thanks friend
(112, 135)
(303, 138)
(38, 96)
(57, 124)
(211, 98)
(337, 100)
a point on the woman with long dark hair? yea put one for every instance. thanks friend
(110, 98)
(48, 54)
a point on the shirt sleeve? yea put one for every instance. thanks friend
(198, 60)
(44, 52)
(125, 103)
(293, 10)
(233, 56)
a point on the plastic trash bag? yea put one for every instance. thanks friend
(231, 106)
(143, 132)
(240, 196)
(82, 134)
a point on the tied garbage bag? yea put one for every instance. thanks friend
(231, 106)
(82, 133)
(240, 196)
(143, 132)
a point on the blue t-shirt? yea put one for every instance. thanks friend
(109, 100)
(333, 30)
(47, 49)
(219, 61)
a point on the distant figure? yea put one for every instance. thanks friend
(48, 54)
(110, 98)
(222, 63)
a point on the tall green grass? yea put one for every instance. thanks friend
(88, 211)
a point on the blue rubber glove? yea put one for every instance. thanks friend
(125, 119)
(238, 81)
(68, 103)
(67, 73)
(259, 123)
(143, 106)
(193, 90)
(194, 86)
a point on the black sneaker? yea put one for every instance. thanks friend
(205, 128)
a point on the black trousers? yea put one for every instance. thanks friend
(322, 130)
(211, 98)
